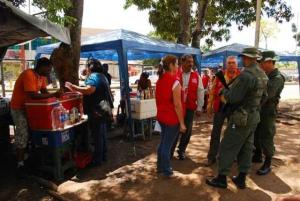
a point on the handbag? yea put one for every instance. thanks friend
(103, 109)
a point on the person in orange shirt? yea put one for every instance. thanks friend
(215, 106)
(31, 84)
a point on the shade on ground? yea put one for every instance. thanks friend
(137, 181)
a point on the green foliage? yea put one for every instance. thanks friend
(162, 36)
(268, 29)
(151, 62)
(11, 70)
(17, 3)
(296, 35)
(56, 10)
(286, 65)
(221, 14)
(205, 48)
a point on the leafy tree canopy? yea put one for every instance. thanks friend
(296, 35)
(221, 14)
(54, 10)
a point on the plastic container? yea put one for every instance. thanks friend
(39, 113)
(55, 117)
(52, 138)
(82, 159)
(133, 94)
(70, 100)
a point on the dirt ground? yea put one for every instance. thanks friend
(129, 177)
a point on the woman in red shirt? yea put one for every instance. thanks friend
(169, 111)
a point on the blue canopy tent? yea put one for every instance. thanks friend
(218, 56)
(122, 45)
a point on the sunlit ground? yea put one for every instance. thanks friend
(138, 181)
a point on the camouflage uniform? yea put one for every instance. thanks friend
(265, 132)
(246, 92)
(244, 96)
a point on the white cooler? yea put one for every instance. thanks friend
(143, 109)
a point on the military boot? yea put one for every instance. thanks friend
(220, 181)
(240, 181)
(266, 167)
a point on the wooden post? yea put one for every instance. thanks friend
(2, 78)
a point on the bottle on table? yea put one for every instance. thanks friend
(58, 116)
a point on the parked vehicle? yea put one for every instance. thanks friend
(151, 72)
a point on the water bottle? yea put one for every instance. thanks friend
(138, 95)
(72, 116)
(67, 117)
(75, 114)
(62, 117)
(81, 110)
(55, 115)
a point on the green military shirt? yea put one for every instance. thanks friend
(274, 89)
(244, 83)
(247, 91)
(239, 88)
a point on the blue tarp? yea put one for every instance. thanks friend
(218, 56)
(122, 45)
(106, 44)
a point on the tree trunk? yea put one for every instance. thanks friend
(257, 25)
(66, 58)
(185, 16)
(202, 9)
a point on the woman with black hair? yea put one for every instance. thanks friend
(144, 82)
(96, 90)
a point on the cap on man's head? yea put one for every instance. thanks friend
(268, 56)
(251, 52)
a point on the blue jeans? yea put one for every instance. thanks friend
(168, 136)
(99, 134)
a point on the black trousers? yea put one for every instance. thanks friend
(215, 136)
(184, 138)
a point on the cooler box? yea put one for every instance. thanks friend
(52, 138)
(70, 100)
(39, 113)
(143, 109)
(133, 94)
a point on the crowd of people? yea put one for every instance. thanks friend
(31, 84)
(247, 99)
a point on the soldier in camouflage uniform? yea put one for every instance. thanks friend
(244, 97)
(265, 132)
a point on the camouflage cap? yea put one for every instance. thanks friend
(268, 56)
(251, 52)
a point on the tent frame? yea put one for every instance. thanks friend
(235, 49)
(122, 46)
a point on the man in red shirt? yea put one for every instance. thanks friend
(31, 84)
(193, 98)
(215, 106)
